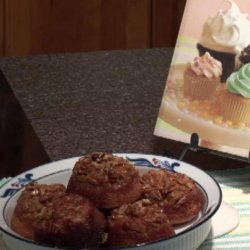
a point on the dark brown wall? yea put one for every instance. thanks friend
(51, 26)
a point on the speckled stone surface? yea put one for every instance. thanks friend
(99, 101)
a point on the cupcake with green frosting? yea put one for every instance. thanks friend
(235, 97)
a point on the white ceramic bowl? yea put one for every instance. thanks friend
(188, 236)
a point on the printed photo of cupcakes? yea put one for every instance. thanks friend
(202, 77)
(224, 36)
(234, 101)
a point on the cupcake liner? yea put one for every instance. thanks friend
(227, 59)
(235, 108)
(199, 87)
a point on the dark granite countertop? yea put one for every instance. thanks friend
(99, 101)
(91, 101)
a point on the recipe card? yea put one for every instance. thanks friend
(207, 90)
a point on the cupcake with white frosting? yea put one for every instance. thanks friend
(202, 77)
(224, 36)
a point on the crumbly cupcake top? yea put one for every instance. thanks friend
(101, 168)
(144, 211)
(228, 31)
(37, 196)
(206, 66)
(245, 55)
(239, 82)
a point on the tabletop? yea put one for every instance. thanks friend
(64, 105)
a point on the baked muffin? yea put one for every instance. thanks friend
(224, 36)
(176, 193)
(234, 98)
(202, 77)
(31, 202)
(139, 222)
(109, 181)
(70, 221)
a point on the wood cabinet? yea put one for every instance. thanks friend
(167, 16)
(52, 26)
(2, 32)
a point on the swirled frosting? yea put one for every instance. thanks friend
(228, 31)
(239, 82)
(206, 66)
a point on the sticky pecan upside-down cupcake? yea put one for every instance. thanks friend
(31, 202)
(176, 193)
(70, 221)
(109, 181)
(139, 222)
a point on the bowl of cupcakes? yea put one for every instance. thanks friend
(109, 201)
